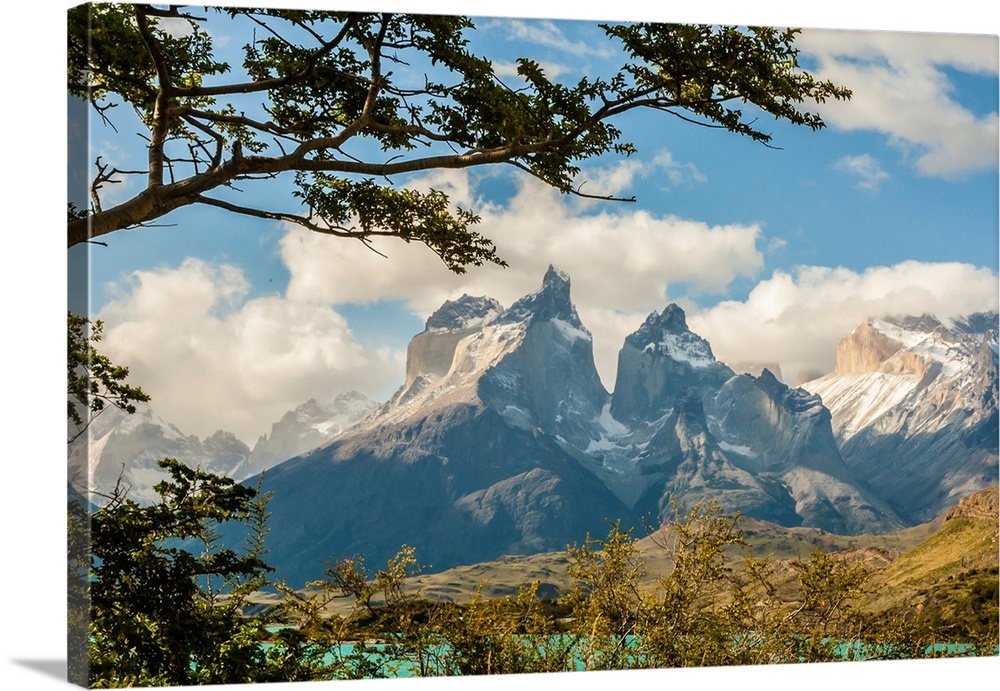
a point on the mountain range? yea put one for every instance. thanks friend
(502, 439)
(122, 447)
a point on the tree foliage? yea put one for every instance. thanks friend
(156, 614)
(170, 606)
(92, 380)
(350, 104)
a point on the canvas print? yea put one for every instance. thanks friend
(408, 344)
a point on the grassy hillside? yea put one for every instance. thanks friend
(783, 545)
(950, 578)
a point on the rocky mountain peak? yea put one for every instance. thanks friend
(757, 368)
(672, 319)
(926, 323)
(667, 334)
(658, 325)
(769, 384)
(432, 351)
(658, 361)
(466, 312)
(547, 378)
(864, 349)
(979, 323)
(914, 407)
(530, 362)
(550, 302)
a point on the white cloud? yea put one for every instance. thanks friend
(796, 318)
(176, 27)
(544, 32)
(617, 178)
(622, 261)
(899, 89)
(867, 171)
(551, 70)
(211, 358)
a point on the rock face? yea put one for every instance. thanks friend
(549, 381)
(757, 368)
(914, 408)
(984, 505)
(659, 361)
(432, 351)
(502, 440)
(752, 443)
(465, 462)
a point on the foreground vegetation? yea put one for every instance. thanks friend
(165, 604)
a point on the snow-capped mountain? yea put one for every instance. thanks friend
(128, 446)
(914, 405)
(118, 444)
(692, 429)
(464, 462)
(503, 440)
(306, 427)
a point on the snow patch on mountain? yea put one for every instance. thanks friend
(311, 424)
(935, 344)
(914, 407)
(683, 348)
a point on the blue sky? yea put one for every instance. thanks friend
(774, 253)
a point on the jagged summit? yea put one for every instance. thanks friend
(660, 360)
(667, 334)
(985, 324)
(673, 319)
(756, 368)
(528, 362)
(466, 312)
(770, 384)
(550, 302)
(925, 323)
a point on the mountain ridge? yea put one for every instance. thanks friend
(914, 402)
(503, 432)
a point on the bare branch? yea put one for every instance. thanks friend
(106, 176)
(220, 141)
(276, 216)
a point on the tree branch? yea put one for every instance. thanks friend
(161, 121)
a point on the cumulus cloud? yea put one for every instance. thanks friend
(796, 318)
(866, 170)
(901, 90)
(622, 261)
(615, 179)
(211, 358)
